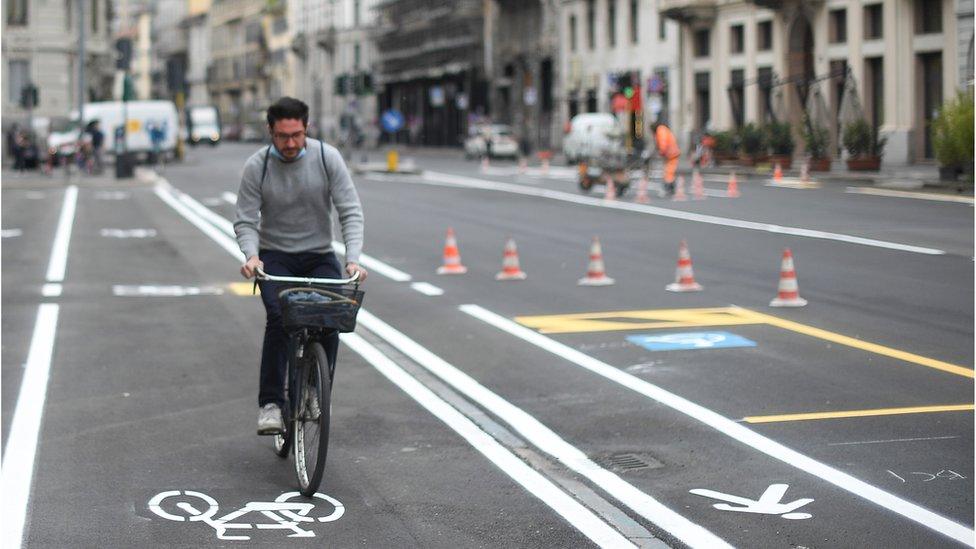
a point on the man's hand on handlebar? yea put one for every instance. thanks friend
(353, 268)
(249, 269)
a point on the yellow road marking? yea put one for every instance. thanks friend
(242, 288)
(634, 320)
(860, 413)
(858, 344)
(716, 316)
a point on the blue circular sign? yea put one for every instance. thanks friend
(392, 120)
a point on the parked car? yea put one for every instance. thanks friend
(204, 125)
(500, 137)
(588, 134)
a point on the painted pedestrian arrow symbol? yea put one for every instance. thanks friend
(767, 504)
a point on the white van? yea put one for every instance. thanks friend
(588, 135)
(142, 116)
(203, 124)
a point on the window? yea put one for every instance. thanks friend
(764, 36)
(16, 12)
(572, 33)
(612, 22)
(701, 43)
(18, 76)
(874, 21)
(737, 97)
(765, 96)
(702, 100)
(928, 16)
(662, 28)
(355, 13)
(94, 16)
(356, 56)
(838, 26)
(874, 80)
(634, 24)
(591, 24)
(736, 39)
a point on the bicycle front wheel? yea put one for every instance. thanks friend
(312, 415)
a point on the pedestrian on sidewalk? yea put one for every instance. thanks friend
(97, 141)
(667, 148)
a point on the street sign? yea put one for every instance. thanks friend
(767, 504)
(436, 96)
(690, 340)
(392, 120)
(655, 84)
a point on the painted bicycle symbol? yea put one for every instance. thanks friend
(285, 514)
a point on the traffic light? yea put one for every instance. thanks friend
(626, 84)
(28, 96)
(123, 53)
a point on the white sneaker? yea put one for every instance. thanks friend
(269, 420)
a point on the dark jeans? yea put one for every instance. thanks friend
(274, 356)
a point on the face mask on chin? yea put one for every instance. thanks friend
(275, 153)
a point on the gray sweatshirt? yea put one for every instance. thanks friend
(291, 210)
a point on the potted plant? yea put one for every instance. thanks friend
(864, 146)
(816, 138)
(952, 138)
(726, 146)
(781, 144)
(752, 140)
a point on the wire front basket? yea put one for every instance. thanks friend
(330, 308)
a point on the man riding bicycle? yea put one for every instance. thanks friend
(284, 226)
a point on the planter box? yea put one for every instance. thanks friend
(785, 161)
(864, 164)
(819, 164)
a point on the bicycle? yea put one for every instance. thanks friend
(312, 308)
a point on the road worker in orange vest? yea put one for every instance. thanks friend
(667, 147)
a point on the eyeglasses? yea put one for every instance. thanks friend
(288, 136)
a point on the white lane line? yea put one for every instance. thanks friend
(427, 288)
(226, 242)
(890, 440)
(732, 429)
(62, 237)
(168, 194)
(908, 194)
(18, 458)
(225, 225)
(545, 439)
(10, 233)
(229, 197)
(441, 179)
(51, 289)
(564, 505)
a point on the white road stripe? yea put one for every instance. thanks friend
(427, 288)
(62, 237)
(907, 194)
(18, 458)
(732, 429)
(51, 289)
(564, 505)
(435, 178)
(545, 439)
(168, 194)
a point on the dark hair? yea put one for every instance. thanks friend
(290, 108)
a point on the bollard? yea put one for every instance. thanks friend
(392, 160)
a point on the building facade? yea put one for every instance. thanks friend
(892, 62)
(40, 47)
(609, 46)
(197, 27)
(238, 71)
(431, 66)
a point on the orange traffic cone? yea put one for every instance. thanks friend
(642, 197)
(697, 186)
(510, 263)
(452, 258)
(733, 190)
(684, 277)
(679, 190)
(789, 292)
(778, 173)
(595, 273)
(611, 192)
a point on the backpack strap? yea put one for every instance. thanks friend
(322, 155)
(264, 166)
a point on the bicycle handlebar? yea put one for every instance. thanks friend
(261, 275)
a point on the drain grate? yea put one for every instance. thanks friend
(629, 461)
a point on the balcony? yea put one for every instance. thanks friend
(689, 11)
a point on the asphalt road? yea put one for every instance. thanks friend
(475, 413)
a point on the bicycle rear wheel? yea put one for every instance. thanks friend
(312, 415)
